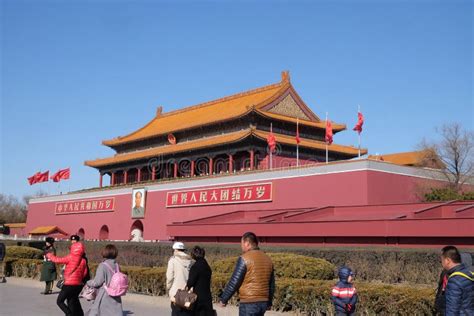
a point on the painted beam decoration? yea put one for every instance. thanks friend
(85, 206)
(250, 193)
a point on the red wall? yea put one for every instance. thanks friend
(344, 188)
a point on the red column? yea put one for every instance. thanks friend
(125, 177)
(175, 173)
(153, 170)
(100, 179)
(139, 174)
(252, 158)
(211, 165)
(192, 168)
(231, 164)
(112, 178)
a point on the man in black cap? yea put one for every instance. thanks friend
(74, 238)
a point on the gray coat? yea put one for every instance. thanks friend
(104, 305)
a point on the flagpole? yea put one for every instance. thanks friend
(327, 156)
(297, 144)
(271, 157)
(359, 132)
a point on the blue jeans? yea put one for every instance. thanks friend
(253, 309)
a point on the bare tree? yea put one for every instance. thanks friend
(13, 210)
(455, 150)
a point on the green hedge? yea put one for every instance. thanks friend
(311, 297)
(388, 265)
(23, 268)
(287, 265)
(22, 252)
(448, 194)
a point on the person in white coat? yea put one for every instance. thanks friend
(105, 305)
(177, 275)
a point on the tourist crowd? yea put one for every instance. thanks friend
(188, 281)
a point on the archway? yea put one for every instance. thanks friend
(104, 233)
(136, 231)
(81, 233)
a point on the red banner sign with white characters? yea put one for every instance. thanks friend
(250, 193)
(85, 206)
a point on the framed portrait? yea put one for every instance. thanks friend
(138, 203)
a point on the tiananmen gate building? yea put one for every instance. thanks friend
(205, 173)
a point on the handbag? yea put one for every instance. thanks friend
(185, 299)
(89, 293)
(60, 284)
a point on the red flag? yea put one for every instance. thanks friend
(62, 174)
(271, 141)
(43, 177)
(34, 178)
(328, 132)
(360, 122)
(298, 140)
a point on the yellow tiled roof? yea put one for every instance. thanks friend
(215, 141)
(168, 149)
(46, 230)
(314, 144)
(16, 225)
(411, 158)
(213, 111)
(221, 110)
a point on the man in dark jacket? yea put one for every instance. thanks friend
(344, 294)
(459, 293)
(440, 300)
(2, 264)
(253, 277)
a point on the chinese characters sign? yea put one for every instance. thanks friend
(261, 192)
(85, 206)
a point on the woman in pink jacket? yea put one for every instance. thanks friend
(74, 274)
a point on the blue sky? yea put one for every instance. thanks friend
(74, 73)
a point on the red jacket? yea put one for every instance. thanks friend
(75, 264)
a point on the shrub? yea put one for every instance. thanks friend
(23, 268)
(448, 194)
(388, 265)
(311, 297)
(287, 265)
(21, 252)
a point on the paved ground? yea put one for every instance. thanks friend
(20, 297)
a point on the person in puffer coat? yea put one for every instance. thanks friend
(177, 275)
(73, 279)
(253, 277)
(344, 294)
(459, 292)
(440, 300)
(104, 304)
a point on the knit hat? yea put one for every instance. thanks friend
(344, 273)
(49, 240)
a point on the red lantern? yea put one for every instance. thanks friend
(171, 139)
